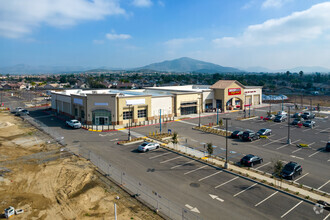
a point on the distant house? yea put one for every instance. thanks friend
(123, 85)
(10, 86)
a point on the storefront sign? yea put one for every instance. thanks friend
(234, 91)
(136, 102)
(78, 101)
(101, 103)
(253, 91)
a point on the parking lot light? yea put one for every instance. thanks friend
(289, 140)
(226, 163)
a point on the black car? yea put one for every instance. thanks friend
(296, 121)
(291, 170)
(237, 134)
(250, 160)
(327, 147)
(279, 118)
(250, 136)
(296, 115)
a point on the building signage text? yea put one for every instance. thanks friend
(234, 91)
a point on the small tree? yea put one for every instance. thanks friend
(175, 138)
(209, 148)
(221, 122)
(278, 166)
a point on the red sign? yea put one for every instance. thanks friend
(234, 91)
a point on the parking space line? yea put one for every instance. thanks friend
(210, 175)
(301, 177)
(165, 161)
(226, 182)
(314, 153)
(311, 144)
(309, 129)
(324, 184)
(195, 170)
(278, 140)
(291, 209)
(327, 217)
(288, 144)
(296, 150)
(245, 189)
(266, 198)
(262, 166)
(182, 164)
(159, 155)
(322, 130)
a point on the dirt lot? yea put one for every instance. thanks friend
(47, 183)
(322, 100)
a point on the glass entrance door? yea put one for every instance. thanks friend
(101, 120)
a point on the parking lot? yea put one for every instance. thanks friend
(214, 191)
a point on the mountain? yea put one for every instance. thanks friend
(186, 64)
(258, 69)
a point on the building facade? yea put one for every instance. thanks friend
(120, 107)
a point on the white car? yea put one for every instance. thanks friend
(19, 109)
(146, 146)
(73, 123)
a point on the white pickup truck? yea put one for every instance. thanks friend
(73, 123)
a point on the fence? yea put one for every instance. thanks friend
(137, 188)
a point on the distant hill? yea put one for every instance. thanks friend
(258, 69)
(186, 64)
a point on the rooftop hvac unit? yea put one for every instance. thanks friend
(94, 92)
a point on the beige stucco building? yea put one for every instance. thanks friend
(119, 107)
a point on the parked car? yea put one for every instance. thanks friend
(296, 121)
(280, 118)
(265, 131)
(18, 109)
(25, 112)
(237, 134)
(282, 113)
(251, 160)
(73, 123)
(296, 115)
(269, 117)
(146, 146)
(309, 123)
(327, 147)
(291, 170)
(250, 136)
(324, 204)
(308, 115)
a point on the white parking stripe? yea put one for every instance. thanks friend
(262, 166)
(226, 182)
(314, 153)
(195, 170)
(301, 177)
(266, 199)
(245, 190)
(296, 150)
(311, 144)
(160, 155)
(210, 175)
(322, 130)
(327, 217)
(274, 141)
(291, 209)
(288, 144)
(324, 184)
(165, 161)
(182, 164)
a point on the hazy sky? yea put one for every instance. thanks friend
(276, 34)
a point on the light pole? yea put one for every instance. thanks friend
(244, 105)
(199, 112)
(217, 116)
(226, 163)
(289, 140)
(282, 103)
(129, 123)
(311, 103)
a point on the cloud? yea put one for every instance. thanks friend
(274, 3)
(114, 36)
(161, 3)
(21, 17)
(304, 25)
(142, 3)
(98, 41)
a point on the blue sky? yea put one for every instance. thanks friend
(276, 34)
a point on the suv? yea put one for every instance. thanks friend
(327, 147)
(250, 160)
(279, 118)
(237, 134)
(282, 113)
(296, 115)
(308, 115)
(291, 170)
(250, 136)
(309, 124)
(146, 146)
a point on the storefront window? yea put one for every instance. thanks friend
(127, 115)
(142, 113)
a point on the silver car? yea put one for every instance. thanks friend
(146, 146)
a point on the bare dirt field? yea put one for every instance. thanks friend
(47, 183)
